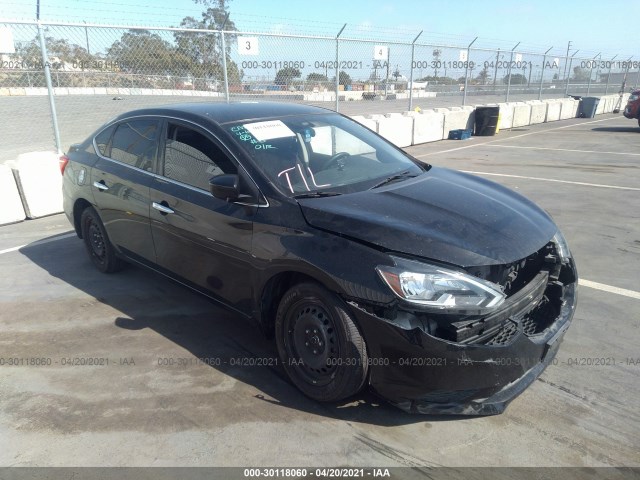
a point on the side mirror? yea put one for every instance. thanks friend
(225, 187)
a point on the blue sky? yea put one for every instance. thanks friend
(592, 26)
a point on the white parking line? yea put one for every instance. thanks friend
(609, 288)
(567, 150)
(39, 242)
(516, 136)
(617, 187)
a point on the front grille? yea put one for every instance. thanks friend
(504, 335)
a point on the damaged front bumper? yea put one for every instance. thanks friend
(422, 373)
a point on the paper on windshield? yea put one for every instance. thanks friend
(269, 130)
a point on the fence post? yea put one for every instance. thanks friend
(338, 66)
(606, 89)
(509, 73)
(466, 73)
(224, 66)
(47, 77)
(544, 59)
(413, 51)
(566, 91)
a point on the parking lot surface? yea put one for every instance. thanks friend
(131, 369)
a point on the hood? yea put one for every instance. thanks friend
(442, 215)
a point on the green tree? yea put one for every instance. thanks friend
(141, 51)
(516, 79)
(483, 76)
(581, 74)
(284, 76)
(317, 77)
(57, 48)
(344, 78)
(203, 50)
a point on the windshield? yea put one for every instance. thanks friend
(327, 153)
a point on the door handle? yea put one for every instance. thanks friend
(162, 208)
(100, 186)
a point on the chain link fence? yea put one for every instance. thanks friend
(60, 81)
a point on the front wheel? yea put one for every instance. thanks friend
(99, 247)
(319, 344)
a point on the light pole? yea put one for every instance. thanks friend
(509, 72)
(544, 60)
(591, 73)
(566, 92)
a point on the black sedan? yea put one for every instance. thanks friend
(443, 292)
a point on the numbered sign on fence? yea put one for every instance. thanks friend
(463, 55)
(517, 57)
(6, 41)
(248, 46)
(381, 52)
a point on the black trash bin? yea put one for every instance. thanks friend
(588, 107)
(486, 122)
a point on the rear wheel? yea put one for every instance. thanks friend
(319, 344)
(99, 247)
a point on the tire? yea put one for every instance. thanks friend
(99, 248)
(319, 344)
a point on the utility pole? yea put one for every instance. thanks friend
(495, 72)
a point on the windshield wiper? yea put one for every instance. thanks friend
(393, 178)
(318, 194)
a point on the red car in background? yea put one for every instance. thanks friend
(632, 110)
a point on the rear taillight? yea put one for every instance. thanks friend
(63, 163)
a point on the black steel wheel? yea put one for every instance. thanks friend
(99, 247)
(319, 344)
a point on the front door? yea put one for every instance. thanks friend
(202, 239)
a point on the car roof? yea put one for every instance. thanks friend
(220, 113)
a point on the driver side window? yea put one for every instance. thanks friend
(192, 158)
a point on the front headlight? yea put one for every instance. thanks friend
(561, 246)
(440, 289)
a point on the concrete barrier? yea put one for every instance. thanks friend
(367, 122)
(568, 108)
(396, 128)
(506, 115)
(36, 91)
(521, 114)
(553, 110)
(600, 107)
(538, 112)
(39, 182)
(428, 126)
(12, 210)
(610, 103)
(456, 118)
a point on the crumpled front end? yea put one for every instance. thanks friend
(431, 364)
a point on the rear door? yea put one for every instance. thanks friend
(202, 239)
(120, 179)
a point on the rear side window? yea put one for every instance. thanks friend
(102, 141)
(135, 143)
(192, 158)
